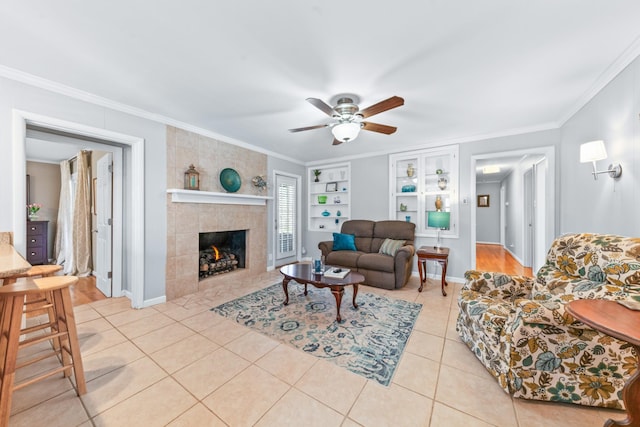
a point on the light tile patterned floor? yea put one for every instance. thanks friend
(178, 364)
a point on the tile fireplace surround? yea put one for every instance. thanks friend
(186, 220)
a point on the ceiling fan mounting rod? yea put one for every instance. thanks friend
(345, 108)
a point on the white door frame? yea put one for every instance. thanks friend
(528, 216)
(135, 271)
(550, 227)
(298, 179)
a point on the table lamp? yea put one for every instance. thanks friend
(440, 221)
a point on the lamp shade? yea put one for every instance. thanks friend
(344, 132)
(592, 151)
(438, 219)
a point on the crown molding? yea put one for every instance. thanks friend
(39, 82)
(620, 63)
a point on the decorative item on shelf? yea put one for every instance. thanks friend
(322, 199)
(338, 213)
(343, 174)
(442, 183)
(409, 188)
(321, 226)
(336, 199)
(403, 207)
(439, 171)
(32, 211)
(438, 203)
(331, 186)
(330, 176)
(230, 180)
(344, 188)
(259, 182)
(337, 221)
(326, 213)
(316, 173)
(407, 218)
(410, 170)
(192, 179)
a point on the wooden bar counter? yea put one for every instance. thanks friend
(12, 264)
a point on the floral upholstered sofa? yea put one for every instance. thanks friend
(518, 328)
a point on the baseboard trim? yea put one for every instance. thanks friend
(154, 301)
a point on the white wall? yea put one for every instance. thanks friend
(488, 218)
(605, 205)
(20, 96)
(370, 196)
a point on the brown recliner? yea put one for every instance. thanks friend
(380, 270)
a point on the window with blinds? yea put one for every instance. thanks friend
(287, 216)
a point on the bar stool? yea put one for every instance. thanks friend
(61, 331)
(45, 270)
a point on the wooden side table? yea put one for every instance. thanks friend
(615, 320)
(440, 255)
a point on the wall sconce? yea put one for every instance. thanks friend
(592, 152)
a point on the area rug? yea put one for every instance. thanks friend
(369, 341)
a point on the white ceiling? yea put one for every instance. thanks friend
(466, 69)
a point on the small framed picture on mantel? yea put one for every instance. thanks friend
(483, 200)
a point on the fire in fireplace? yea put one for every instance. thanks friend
(221, 252)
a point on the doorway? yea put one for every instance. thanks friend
(287, 218)
(131, 247)
(51, 149)
(513, 221)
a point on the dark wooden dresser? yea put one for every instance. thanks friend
(37, 242)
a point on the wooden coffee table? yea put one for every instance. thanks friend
(303, 274)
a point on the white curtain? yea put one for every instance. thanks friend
(82, 217)
(72, 248)
(63, 246)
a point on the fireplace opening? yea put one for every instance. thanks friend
(221, 252)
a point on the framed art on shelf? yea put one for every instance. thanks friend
(331, 186)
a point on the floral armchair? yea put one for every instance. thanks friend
(518, 328)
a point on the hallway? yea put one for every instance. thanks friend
(496, 258)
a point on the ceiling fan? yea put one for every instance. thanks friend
(349, 118)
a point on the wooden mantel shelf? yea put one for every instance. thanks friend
(194, 196)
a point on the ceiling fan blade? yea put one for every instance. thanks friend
(308, 128)
(375, 127)
(387, 104)
(321, 105)
(336, 142)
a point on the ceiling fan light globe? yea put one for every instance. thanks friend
(344, 132)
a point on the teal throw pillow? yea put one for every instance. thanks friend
(390, 246)
(344, 242)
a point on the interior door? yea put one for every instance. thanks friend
(103, 202)
(287, 216)
(529, 218)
